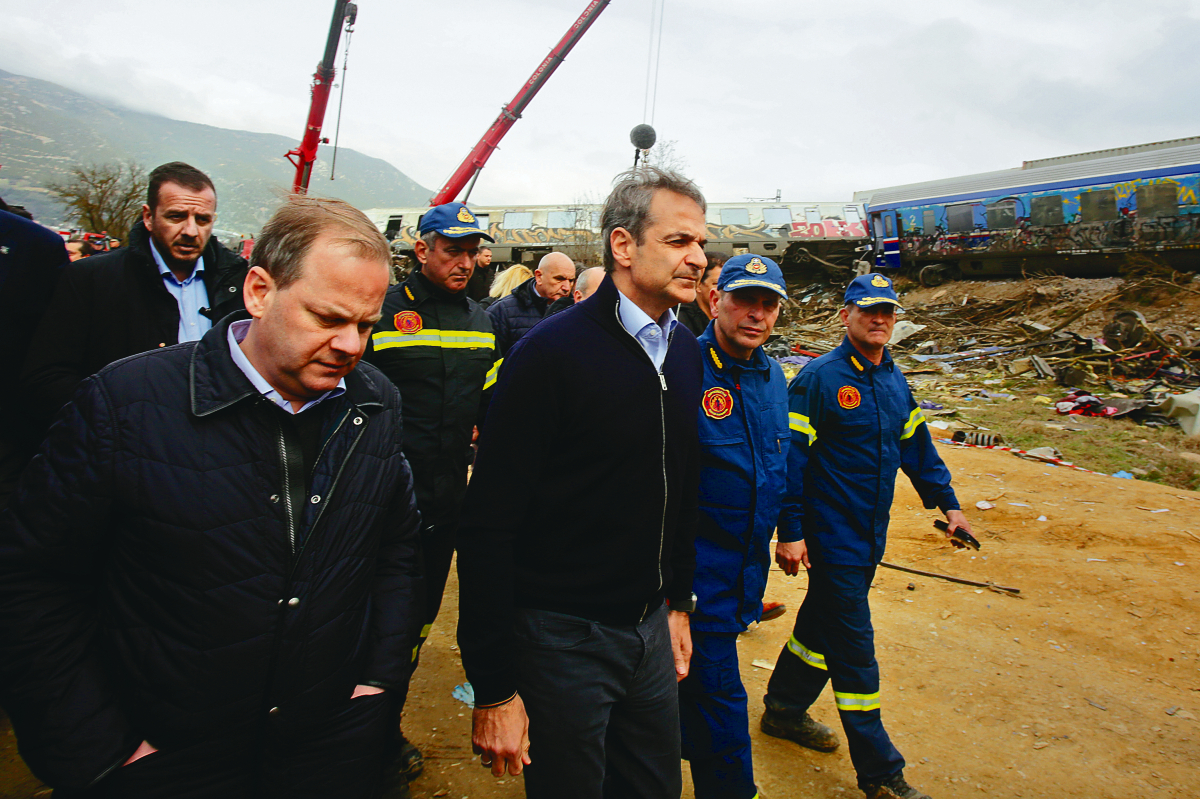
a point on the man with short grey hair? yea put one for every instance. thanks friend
(210, 571)
(574, 624)
(586, 284)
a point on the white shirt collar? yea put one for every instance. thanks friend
(237, 332)
(635, 320)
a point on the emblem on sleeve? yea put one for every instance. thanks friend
(718, 403)
(848, 397)
(756, 266)
(879, 281)
(408, 322)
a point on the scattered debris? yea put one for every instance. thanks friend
(762, 664)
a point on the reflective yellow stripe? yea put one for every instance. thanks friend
(856, 702)
(807, 656)
(491, 375)
(799, 422)
(416, 650)
(914, 419)
(425, 631)
(433, 338)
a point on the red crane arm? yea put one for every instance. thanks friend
(302, 157)
(512, 112)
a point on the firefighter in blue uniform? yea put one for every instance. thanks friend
(744, 440)
(854, 423)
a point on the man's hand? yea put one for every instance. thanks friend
(790, 555)
(500, 735)
(680, 625)
(957, 519)
(144, 749)
(363, 690)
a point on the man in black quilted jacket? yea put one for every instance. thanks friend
(515, 315)
(208, 575)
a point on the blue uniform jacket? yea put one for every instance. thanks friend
(853, 425)
(744, 440)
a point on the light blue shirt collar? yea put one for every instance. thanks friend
(237, 332)
(165, 271)
(652, 335)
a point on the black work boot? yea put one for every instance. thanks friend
(803, 730)
(891, 786)
(409, 763)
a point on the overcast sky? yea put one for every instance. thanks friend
(815, 99)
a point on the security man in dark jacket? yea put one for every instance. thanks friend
(743, 467)
(437, 346)
(171, 284)
(513, 316)
(854, 424)
(209, 578)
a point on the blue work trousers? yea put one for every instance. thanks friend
(833, 641)
(714, 723)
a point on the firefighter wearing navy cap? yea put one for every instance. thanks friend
(854, 423)
(744, 439)
(437, 346)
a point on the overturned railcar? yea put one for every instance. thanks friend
(808, 239)
(1075, 215)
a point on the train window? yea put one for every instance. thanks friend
(812, 214)
(1047, 210)
(889, 227)
(595, 219)
(1002, 215)
(561, 219)
(852, 214)
(960, 218)
(777, 216)
(735, 216)
(516, 220)
(1157, 200)
(483, 219)
(929, 222)
(394, 224)
(1098, 205)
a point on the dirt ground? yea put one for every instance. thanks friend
(1087, 685)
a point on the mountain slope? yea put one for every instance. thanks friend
(45, 129)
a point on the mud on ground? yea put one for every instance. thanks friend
(1086, 686)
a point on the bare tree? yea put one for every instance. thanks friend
(104, 197)
(664, 156)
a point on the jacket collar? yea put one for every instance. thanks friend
(858, 362)
(714, 354)
(418, 289)
(216, 382)
(216, 258)
(528, 296)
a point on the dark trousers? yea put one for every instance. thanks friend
(437, 548)
(714, 721)
(341, 758)
(833, 641)
(603, 706)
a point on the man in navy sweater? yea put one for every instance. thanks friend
(574, 626)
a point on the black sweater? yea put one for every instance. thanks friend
(566, 509)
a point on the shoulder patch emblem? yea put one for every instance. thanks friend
(756, 266)
(717, 403)
(848, 397)
(879, 281)
(464, 215)
(408, 322)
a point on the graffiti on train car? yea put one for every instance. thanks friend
(1012, 229)
(759, 232)
(406, 237)
(828, 229)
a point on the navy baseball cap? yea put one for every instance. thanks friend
(871, 290)
(452, 220)
(750, 271)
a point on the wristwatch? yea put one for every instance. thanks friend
(687, 606)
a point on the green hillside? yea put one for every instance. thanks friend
(45, 129)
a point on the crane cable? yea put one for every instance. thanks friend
(337, 131)
(653, 60)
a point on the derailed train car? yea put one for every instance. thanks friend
(806, 238)
(1076, 215)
